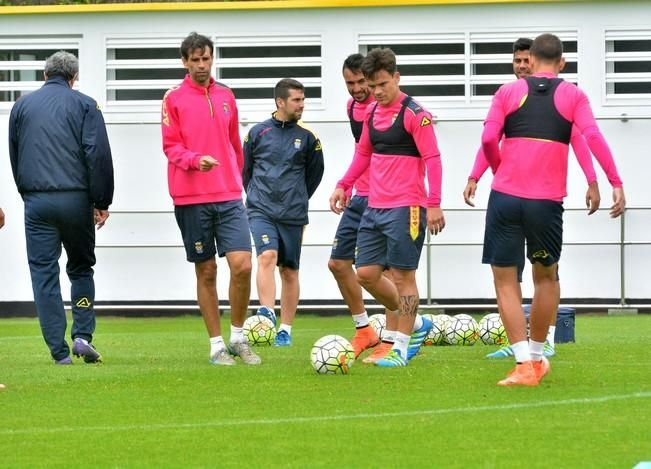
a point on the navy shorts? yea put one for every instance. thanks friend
(343, 247)
(211, 228)
(391, 237)
(511, 220)
(285, 239)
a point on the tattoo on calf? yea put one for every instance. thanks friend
(408, 305)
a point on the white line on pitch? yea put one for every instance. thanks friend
(327, 418)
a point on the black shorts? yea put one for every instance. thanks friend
(511, 220)
(211, 228)
(285, 239)
(345, 242)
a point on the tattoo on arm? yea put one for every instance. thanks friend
(408, 305)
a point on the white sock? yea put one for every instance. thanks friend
(551, 334)
(536, 350)
(389, 336)
(521, 351)
(216, 344)
(361, 319)
(418, 323)
(285, 327)
(237, 336)
(401, 344)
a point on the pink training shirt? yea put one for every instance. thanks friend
(398, 180)
(358, 114)
(536, 168)
(581, 151)
(199, 121)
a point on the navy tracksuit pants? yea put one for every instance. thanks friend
(52, 220)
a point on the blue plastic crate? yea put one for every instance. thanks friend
(565, 320)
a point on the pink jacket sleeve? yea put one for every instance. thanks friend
(583, 155)
(234, 134)
(173, 145)
(480, 166)
(361, 161)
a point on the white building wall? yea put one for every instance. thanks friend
(139, 254)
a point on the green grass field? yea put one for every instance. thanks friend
(156, 401)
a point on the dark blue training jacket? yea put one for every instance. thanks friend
(58, 142)
(283, 166)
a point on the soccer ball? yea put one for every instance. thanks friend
(439, 326)
(332, 355)
(491, 330)
(379, 323)
(259, 330)
(462, 330)
(433, 338)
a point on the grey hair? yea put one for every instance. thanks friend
(63, 64)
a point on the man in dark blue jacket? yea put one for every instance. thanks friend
(62, 165)
(283, 166)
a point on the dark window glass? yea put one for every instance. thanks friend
(139, 95)
(632, 67)
(433, 90)
(149, 74)
(150, 53)
(484, 90)
(641, 45)
(267, 51)
(493, 69)
(269, 72)
(422, 49)
(268, 93)
(632, 88)
(432, 69)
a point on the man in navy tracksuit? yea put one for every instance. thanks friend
(283, 166)
(61, 162)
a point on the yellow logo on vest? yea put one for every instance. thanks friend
(425, 121)
(414, 222)
(83, 303)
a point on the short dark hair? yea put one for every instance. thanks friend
(547, 47)
(353, 62)
(193, 42)
(523, 43)
(281, 90)
(380, 58)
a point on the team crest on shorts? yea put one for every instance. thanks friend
(297, 143)
(198, 247)
(83, 302)
(265, 239)
(334, 243)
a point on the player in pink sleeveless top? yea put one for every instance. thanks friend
(535, 117)
(522, 69)
(399, 145)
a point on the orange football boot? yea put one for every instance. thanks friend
(379, 352)
(365, 338)
(541, 368)
(522, 375)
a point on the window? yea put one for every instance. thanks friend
(22, 60)
(491, 60)
(459, 67)
(140, 70)
(628, 65)
(251, 66)
(431, 65)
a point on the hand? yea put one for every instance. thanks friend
(2, 218)
(100, 217)
(619, 202)
(435, 220)
(207, 162)
(469, 192)
(339, 201)
(592, 198)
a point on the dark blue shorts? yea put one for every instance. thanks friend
(512, 220)
(391, 237)
(285, 239)
(343, 247)
(220, 227)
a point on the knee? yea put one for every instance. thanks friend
(366, 277)
(268, 259)
(545, 274)
(241, 269)
(338, 267)
(288, 275)
(207, 272)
